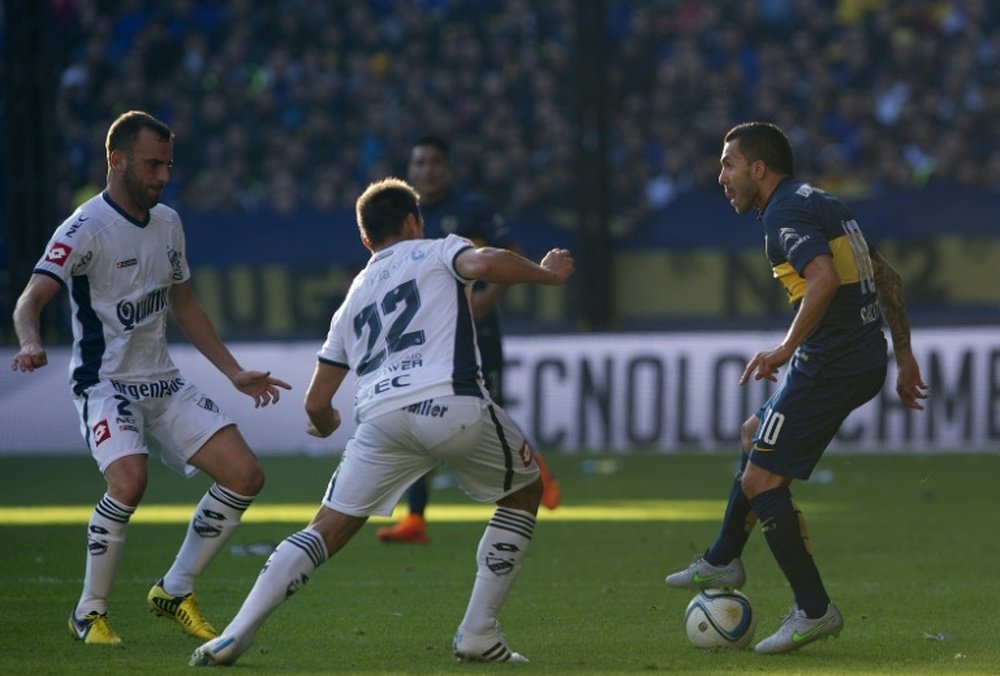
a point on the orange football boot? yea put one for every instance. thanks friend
(412, 529)
(551, 494)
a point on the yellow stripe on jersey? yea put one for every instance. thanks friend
(844, 262)
(795, 286)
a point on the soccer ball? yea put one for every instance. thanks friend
(720, 618)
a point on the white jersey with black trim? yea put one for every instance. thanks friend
(406, 328)
(118, 272)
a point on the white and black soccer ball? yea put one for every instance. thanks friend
(720, 618)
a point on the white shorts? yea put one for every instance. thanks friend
(170, 418)
(474, 437)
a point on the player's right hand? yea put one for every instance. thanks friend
(31, 356)
(560, 262)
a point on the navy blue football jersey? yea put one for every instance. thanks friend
(800, 223)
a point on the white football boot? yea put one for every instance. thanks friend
(798, 630)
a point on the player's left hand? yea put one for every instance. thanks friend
(766, 364)
(909, 385)
(260, 386)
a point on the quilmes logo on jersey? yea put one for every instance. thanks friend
(131, 314)
(58, 254)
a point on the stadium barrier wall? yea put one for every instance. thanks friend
(665, 392)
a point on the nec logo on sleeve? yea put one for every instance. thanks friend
(58, 254)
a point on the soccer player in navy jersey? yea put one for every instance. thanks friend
(406, 330)
(842, 289)
(121, 257)
(448, 211)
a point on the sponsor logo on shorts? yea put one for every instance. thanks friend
(525, 453)
(102, 432)
(58, 254)
(127, 263)
(208, 404)
(428, 408)
(126, 424)
(152, 390)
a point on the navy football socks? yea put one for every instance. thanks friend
(785, 531)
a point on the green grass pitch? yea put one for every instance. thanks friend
(908, 546)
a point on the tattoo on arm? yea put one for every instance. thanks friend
(889, 285)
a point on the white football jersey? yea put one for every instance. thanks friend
(119, 273)
(406, 328)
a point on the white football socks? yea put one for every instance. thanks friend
(215, 519)
(287, 570)
(499, 557)
(105, 543)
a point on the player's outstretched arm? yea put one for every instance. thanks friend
(501, 266)
(323, 417)
(889, 284)
(197, 327)
(36, 295)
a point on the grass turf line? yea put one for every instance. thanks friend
(906, 544)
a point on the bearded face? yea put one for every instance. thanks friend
(143, 191)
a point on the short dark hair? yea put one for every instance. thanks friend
(125, 130)
(764, 141)
(435, 142)
(383, 207)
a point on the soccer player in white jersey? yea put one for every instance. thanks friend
(121, 256)
(406, 329)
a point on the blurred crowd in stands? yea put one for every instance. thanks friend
(296, 105)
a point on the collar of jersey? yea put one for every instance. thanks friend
(783, 183)
(111, 203)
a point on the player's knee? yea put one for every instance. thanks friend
(127, 487)
(525, 499)
(249, 480)
(756, 480)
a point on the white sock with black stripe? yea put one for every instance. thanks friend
(215, 519)
(499, 557)
(105, 543)
(287, 570)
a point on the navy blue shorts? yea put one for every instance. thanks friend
(801, 418)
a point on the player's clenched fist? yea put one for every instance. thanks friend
(29, 358)
(561, 263)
